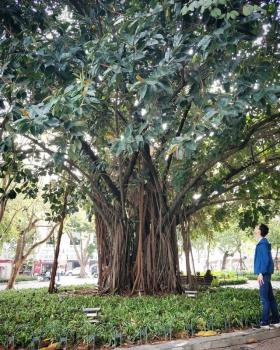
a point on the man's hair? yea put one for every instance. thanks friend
(264, 230)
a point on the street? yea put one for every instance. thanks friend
(64, 281)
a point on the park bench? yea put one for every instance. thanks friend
(204, 281)
(199, 281)
(92, 314)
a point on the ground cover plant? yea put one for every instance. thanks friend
(27, 314)
(232, 281)
(251, 276)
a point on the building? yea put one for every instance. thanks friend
(6, 266)
(44, 254)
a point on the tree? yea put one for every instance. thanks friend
(80, 231)
(155, 110)
(64, 201)
(229, 242)
(19, 228)
(274, 238)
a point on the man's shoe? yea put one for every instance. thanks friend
(267, 327)
(275, 325)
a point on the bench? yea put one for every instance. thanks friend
(92, 314)
(200, 280)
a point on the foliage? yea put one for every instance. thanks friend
(274, 233)
(81, 233)
(232, 281)
(81, 227)
(231, 239)
(253, 277)
(53, 317)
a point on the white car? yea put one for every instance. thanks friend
(76, 272)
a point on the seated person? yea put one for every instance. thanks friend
(208, 277)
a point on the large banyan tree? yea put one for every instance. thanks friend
(155, 109)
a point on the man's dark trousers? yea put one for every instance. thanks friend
(268, 301)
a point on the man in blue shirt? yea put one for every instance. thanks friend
(264, 268)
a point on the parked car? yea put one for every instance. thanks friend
(76, 272)
(94, 271)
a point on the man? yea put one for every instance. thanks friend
(264, 268)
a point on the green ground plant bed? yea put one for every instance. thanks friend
(21, 278)
(232, 281)
(34, 313)
(251, 276)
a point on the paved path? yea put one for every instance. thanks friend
(254, 285)
(273, 344)
(270, 344)
(257, 339)
(73, 280)
(64, 281)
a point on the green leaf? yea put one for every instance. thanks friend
(142, 91)
(204, 42)
(211, 112)
(232, 14)
(216, 12)
(191, 145)
(248, 10)
(190, 8)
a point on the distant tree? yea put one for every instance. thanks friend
(19, 228)
(274, 238)
(80, 232)
(229, 242)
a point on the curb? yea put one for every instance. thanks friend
(222, 341)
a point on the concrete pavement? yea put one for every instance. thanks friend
(254, 285)
(257, 339)
(64, 281)
(74, 280)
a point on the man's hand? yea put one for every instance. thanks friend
(260, 279)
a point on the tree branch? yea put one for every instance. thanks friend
(94, 158)
(35, 245)
(222, 157)
(178, 133)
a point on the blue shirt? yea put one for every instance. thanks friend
(263, 262)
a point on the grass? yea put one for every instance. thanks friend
(251, 276)
(29, 313)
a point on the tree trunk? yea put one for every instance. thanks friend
(52, 288)
(208, 257)
(21, 255)
(16, 267)
(137, 254)
(18, 260)
(276, 258)
(186, 244)
(240, 260)
(82, 269)
(224, 262)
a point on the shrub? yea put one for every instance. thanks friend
(233, 281)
